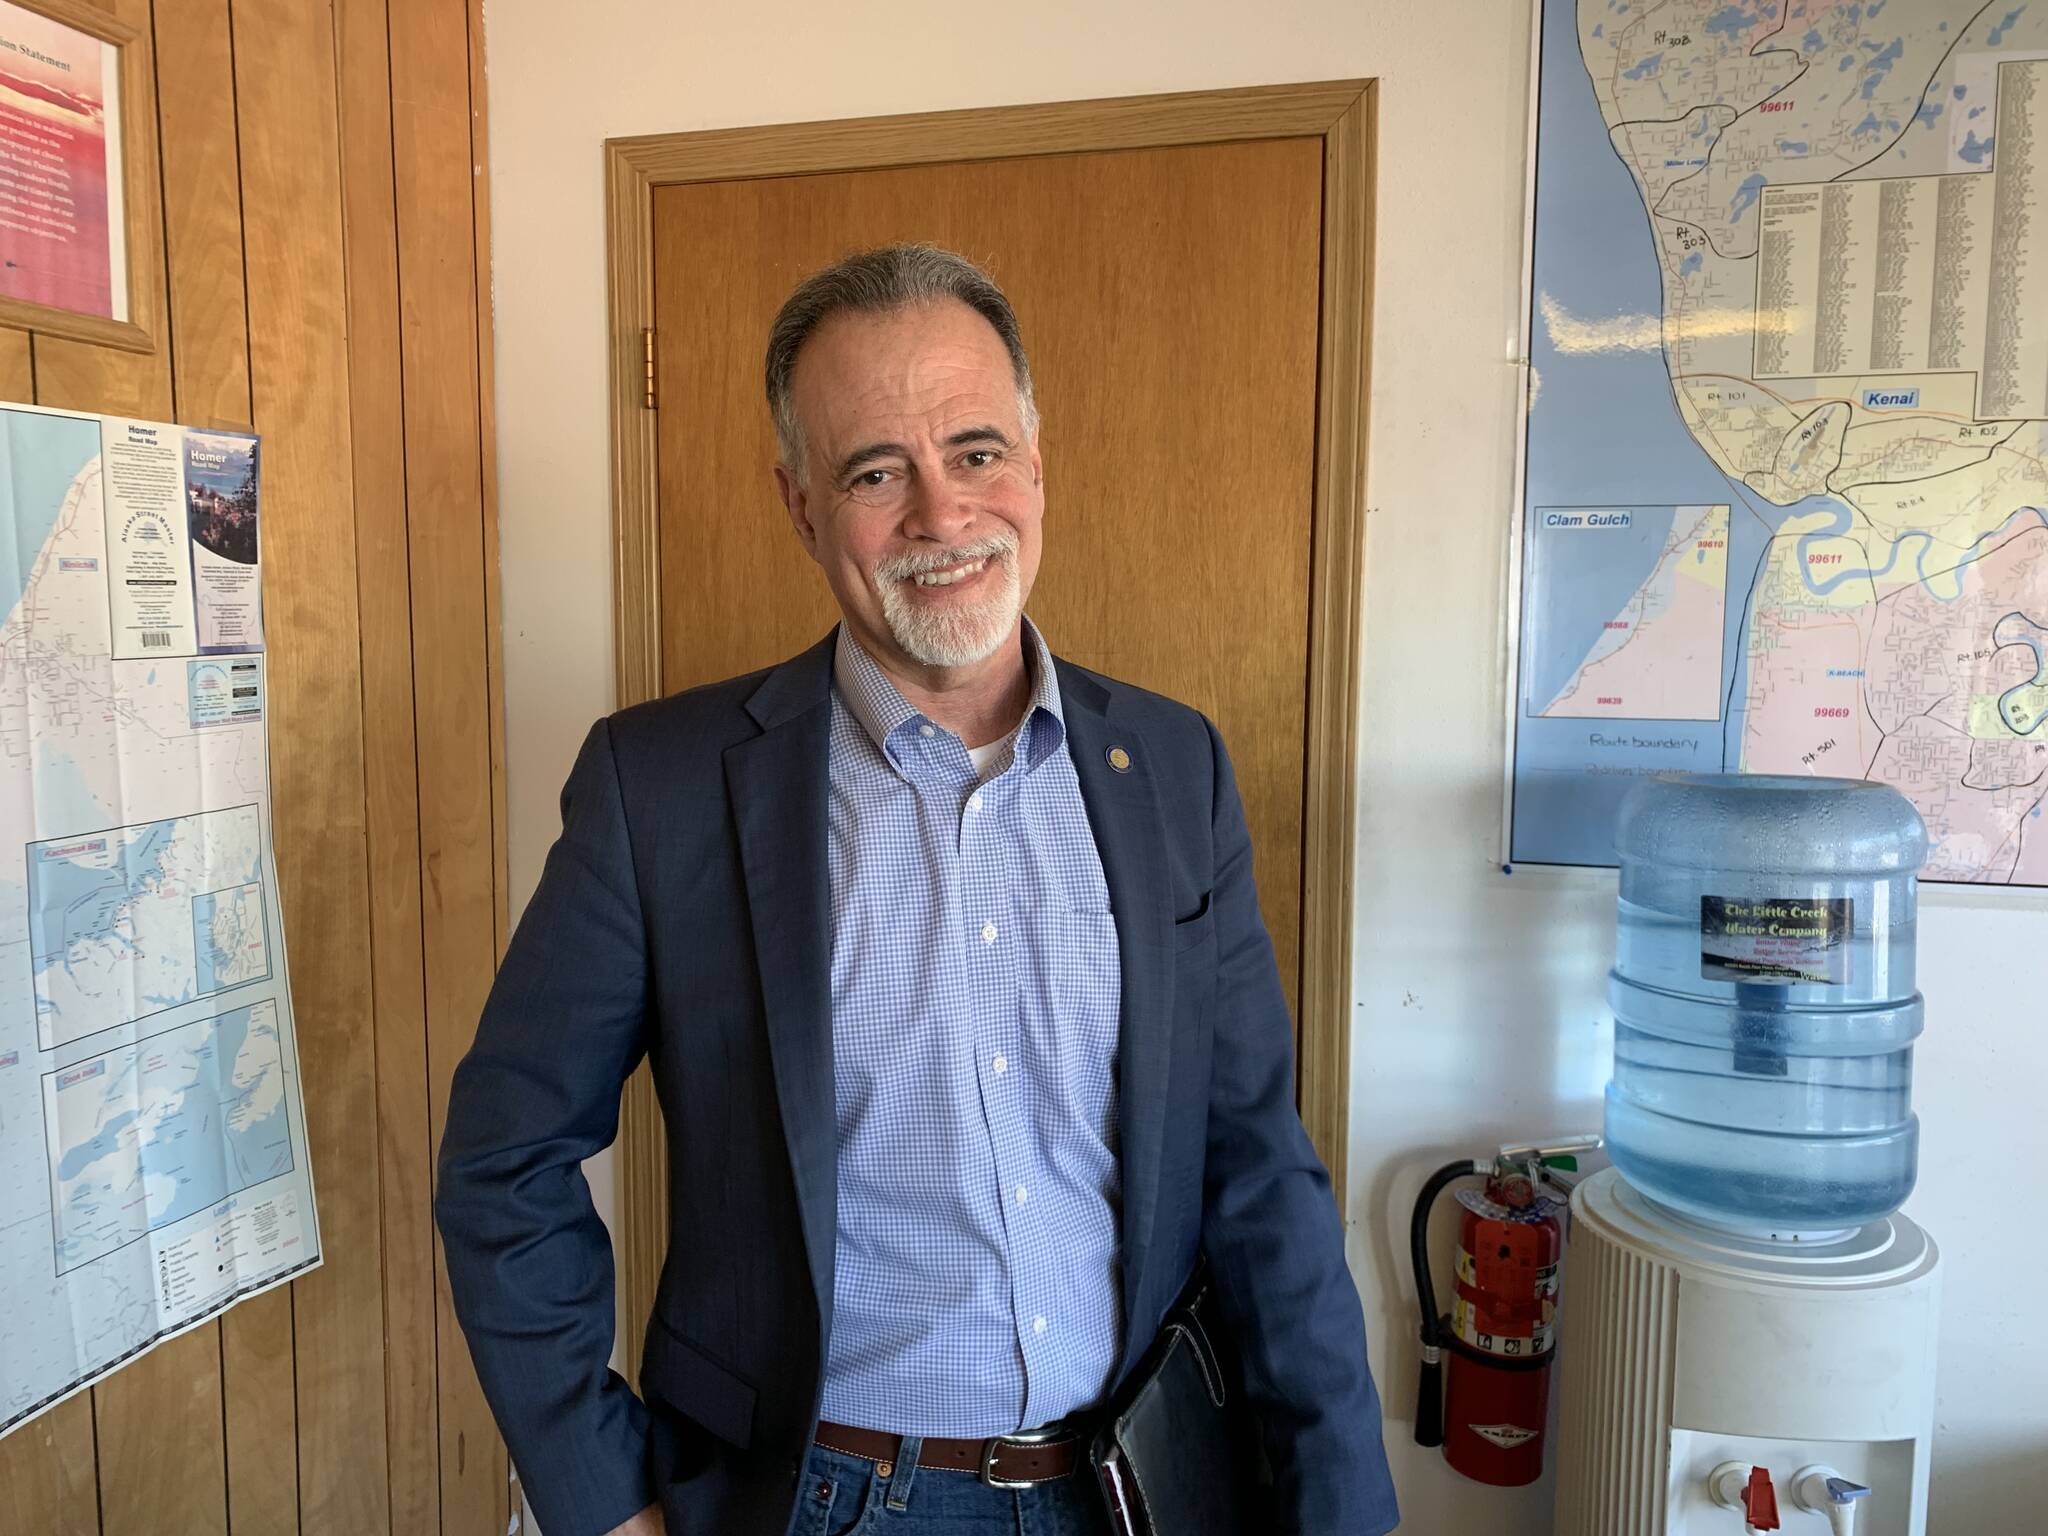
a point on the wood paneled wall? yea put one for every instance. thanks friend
(323, 272)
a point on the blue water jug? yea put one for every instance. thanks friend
(1764, 1003)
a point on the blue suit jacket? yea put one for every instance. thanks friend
(683, 916)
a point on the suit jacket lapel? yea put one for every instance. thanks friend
(780, 785)
(1130, 835)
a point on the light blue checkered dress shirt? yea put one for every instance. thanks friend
(975, 996)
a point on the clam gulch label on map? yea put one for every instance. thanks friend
(1656, 653)
(1776, 938)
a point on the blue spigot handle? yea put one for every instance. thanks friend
(1842, 1491)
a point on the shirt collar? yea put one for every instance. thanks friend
(882, 712)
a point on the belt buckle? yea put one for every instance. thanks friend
(1045, 1436)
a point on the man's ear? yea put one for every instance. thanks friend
(796, 501)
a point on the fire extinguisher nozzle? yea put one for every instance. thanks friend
(1429, 1391)
(1429, 1399)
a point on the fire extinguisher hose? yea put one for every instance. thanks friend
(1429, 1393)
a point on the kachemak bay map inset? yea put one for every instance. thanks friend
(1785, 503)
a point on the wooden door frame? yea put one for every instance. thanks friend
(1341, 113)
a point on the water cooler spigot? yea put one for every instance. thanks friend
(1738, 1485)
(1819, 1491)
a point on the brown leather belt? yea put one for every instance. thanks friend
(1007, 1461)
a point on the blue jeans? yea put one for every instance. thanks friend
(839, 1495)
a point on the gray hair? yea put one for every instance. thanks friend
(879, 281)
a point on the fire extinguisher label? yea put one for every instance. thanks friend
(1539, 1210)
(1506, 1436)
(1788, 938)
(1467, 1324)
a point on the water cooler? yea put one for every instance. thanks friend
(1749, 1340)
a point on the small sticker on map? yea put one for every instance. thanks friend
(1772, 938)
(228, 691)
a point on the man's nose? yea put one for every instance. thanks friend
(937, 509)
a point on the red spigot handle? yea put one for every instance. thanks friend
(1760, 1501)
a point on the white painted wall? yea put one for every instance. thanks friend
(1478, 1004)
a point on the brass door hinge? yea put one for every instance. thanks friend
(647, 347)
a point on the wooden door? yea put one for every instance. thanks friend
(1170, 303)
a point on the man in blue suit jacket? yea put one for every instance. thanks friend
(964, 1022)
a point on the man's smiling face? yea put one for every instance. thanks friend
(922, 495)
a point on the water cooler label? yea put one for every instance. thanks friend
(1774, 938)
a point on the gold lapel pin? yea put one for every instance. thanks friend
(1119, 759)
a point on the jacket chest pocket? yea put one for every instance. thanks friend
(1197, 931)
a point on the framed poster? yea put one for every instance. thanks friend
(77, 182)
(1784, 476)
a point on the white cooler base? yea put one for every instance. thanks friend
(1683, 1348)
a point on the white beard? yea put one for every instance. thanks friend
(962, 633)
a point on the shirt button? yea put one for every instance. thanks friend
(1038, 1325)
(925, 730)
(1001, 1065)
(988, 933)
(1023, 1194)
(974, 802)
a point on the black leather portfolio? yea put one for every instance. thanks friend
(1179, 1453)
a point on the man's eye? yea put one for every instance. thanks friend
(980, 458)
(872, 479)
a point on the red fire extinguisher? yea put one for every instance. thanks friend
(1487, 1409)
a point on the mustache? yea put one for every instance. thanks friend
(996, 546)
